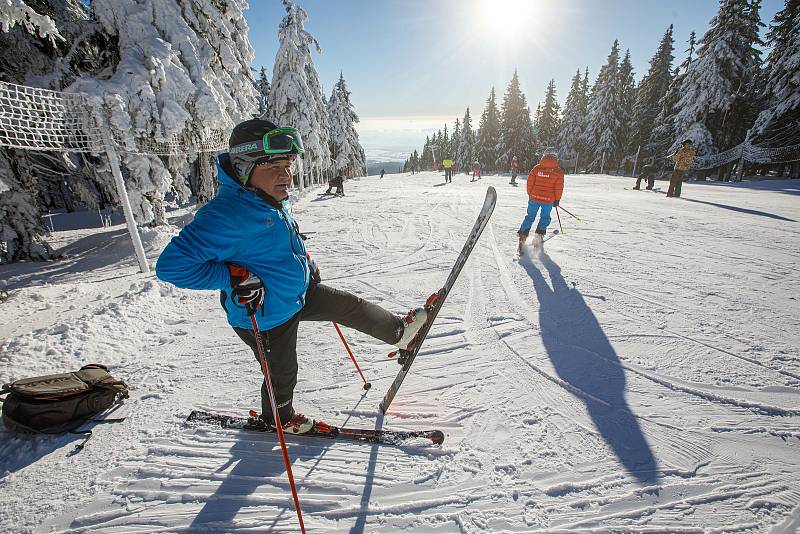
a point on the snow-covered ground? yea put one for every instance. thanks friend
(641, 376)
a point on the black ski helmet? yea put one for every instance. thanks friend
(246, 158)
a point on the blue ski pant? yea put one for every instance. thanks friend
(544, 219)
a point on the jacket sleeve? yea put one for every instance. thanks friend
(195, 258)
(558, 185)
(531, 181)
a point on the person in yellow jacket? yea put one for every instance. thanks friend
(683, 157)
(448, 170)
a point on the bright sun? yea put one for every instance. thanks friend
(507, 17)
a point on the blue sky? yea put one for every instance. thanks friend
(420, 61)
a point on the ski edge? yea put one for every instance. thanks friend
(361, 435)
(485, 213)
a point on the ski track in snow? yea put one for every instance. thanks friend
(640, 375)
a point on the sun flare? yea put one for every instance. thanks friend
(508, 17)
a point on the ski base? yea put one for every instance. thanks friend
(435, 301)
(321, 430)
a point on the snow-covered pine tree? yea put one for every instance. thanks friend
(603, 117)
(663, 134)
(515, 128)
(465, 152)
(486, 145)
(627, 96)
(454, 139)
(413, 161)
(444, 145)
(51, 47)
(549, 121)
(17, 12)
(296, 97)
(779, 124)
(426, 160)
(262, 87)
(651, 90)
(716, 92)
(574, 118)
(347, 151)
(182, 68)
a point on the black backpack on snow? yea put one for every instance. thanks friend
(54, 404)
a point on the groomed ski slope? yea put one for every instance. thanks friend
(642, 376)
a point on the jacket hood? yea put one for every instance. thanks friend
(225, 173)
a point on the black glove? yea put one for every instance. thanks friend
(248, 289)
(555, 203)
(312, 267)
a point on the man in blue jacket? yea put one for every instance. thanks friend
(246, 243)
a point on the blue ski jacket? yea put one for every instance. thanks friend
(248, 229)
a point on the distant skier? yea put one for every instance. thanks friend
(338, 183)
(476, 171)
(448, 170)
(545, 187)
(382, 173)
(683, 157)
(246, 243)
(647, 174)
(514, 170)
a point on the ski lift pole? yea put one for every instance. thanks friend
(367, 385)
(138, 249)
(568, 212)
(276, 417)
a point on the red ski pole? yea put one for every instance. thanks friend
(367, 385)
(268, 381)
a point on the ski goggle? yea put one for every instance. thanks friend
(282, 140)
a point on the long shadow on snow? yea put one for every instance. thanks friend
(584, 358)
(369, 480)
(259, 462)
(740, 210)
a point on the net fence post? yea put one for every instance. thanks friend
(113, 159)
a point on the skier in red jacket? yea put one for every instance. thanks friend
(545, 187)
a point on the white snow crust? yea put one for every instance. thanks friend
(641, 376)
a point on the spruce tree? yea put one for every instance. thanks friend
(663, 134)
(651, 90)
(465, 152)
(349, 158)
(515, 129)
(779, 123)
(549, 118)
(574, 118)
(426, 160)
(603, 117)
(444, 145)
(454, 139)
(627, 96)
(296, 94)
(486, 146)
(716, 92)
(262, 87)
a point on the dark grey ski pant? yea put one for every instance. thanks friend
(323, 303)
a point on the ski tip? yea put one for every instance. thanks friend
(437, 437)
